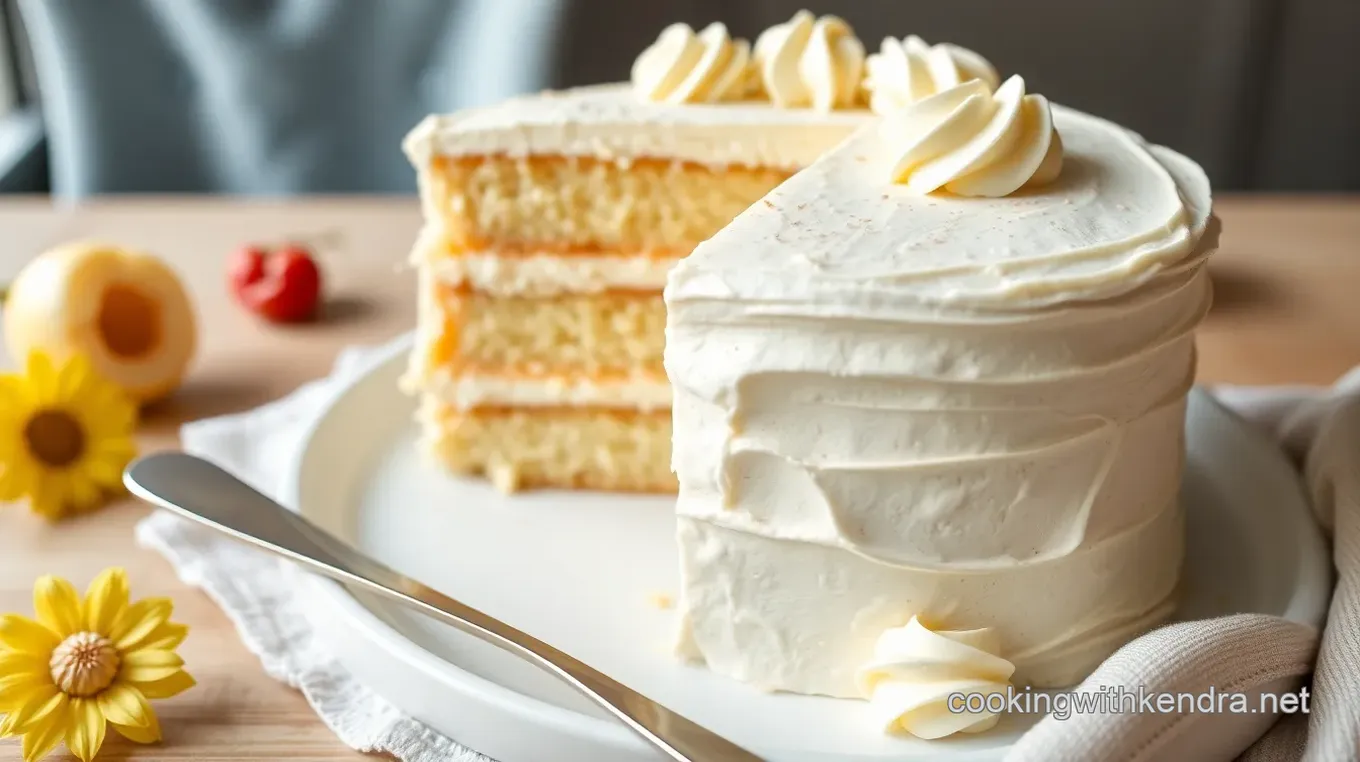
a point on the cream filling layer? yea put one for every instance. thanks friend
(544, 274)
(469, 391)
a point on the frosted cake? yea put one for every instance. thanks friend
(929, 407)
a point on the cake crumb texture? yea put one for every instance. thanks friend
(557, 204)
(618, 333)
(571, 448)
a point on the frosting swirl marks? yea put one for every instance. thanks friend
(809, 61)
(685, 67)
(915, 671)
(973, 142)
(906, 71)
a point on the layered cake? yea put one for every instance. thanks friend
(929, 407)
(552, 220)
(919, 373)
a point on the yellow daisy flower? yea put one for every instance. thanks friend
(65, 436)
(83, 665)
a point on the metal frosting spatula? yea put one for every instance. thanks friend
(196, 489)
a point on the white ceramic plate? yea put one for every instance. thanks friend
(580, 570)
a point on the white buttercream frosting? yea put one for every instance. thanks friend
(916, 673)
(970, 409)
(685, 67)
(905, 71)
(973, 142)
(810, 61)
(471, 390)
(610, 123)
(834, 240)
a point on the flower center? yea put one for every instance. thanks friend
(129, 322)
(55, 438)
(84, 664)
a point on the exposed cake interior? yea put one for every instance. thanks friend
(544, 253)
(597, 335)
(574, 447)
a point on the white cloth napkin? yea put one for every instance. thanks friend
(260, 594)
(1319, 428)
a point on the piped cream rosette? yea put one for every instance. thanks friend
(905, 71)
(916, 674)
(806, 62)
(810, 61)
(687, 67)
(972, 142)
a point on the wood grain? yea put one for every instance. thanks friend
(1285, 312)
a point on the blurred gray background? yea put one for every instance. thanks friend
(275, 97)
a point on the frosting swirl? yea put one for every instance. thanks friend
(810, 61)
(973, 142)
(685, 67)
(915, 671)
(905, 71)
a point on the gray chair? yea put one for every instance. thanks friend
(23, 166)
(265, 96)
(23, 155)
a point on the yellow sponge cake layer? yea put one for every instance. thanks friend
(580, 205)
(613, 333)
(577, 448)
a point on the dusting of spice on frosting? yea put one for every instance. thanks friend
(908, 70)
(683, 66)
(970, 141)
(920, 680)
(810, 61)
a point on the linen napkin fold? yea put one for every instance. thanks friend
(1319, 428)
(259, 593)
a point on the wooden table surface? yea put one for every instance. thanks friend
(1287, 310)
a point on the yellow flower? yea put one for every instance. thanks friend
(85, 664)
(65, 436)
